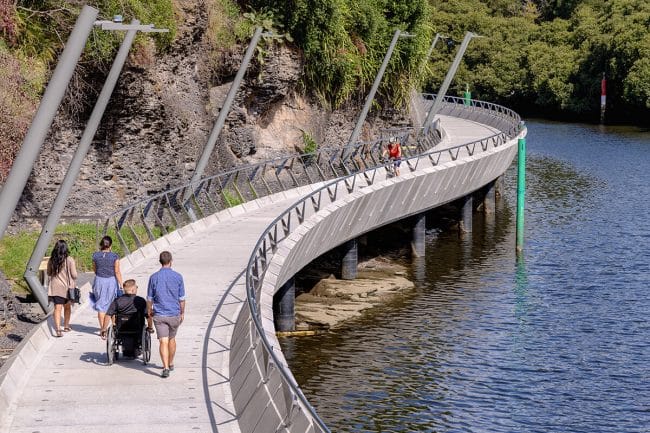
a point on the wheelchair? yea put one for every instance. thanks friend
(128, 337)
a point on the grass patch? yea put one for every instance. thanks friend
(232, 198)
(15, 250)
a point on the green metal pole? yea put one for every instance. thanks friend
(467, 95)
(521, 192)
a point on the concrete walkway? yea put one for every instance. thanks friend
(69, 387)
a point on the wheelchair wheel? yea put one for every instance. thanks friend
(110, 345)
(146, 346)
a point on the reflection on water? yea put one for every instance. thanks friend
(557, 342)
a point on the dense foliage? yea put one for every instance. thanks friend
(538, 56)
(544, 57)
(344, 42)
(550, 56)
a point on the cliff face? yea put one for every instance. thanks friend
(161, 114)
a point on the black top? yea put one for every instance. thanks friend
(127, 304)
(126, 307)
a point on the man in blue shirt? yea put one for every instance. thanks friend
(166, 302)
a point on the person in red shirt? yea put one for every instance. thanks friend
(395, 154)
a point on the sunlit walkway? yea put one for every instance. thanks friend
(70, 388)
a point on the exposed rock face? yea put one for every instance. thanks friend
(7, 303)
(161, 115)
(14, 325)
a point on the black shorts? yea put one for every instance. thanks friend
(59, 300)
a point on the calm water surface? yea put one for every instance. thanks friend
(559, 342)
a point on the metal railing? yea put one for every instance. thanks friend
(353, 167)
(153, 217)
(285, 224)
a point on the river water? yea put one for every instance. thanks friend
(556, 342)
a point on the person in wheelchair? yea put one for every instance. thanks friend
(128, 315)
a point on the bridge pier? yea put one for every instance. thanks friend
(350, 260)
(284, 304)
(418, 244)
(498, 187)
(489, 198)
(466, 214)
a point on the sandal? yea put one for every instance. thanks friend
(67, 329)
(58, 333)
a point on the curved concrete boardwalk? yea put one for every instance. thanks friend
(70, 388)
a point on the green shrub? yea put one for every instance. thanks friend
(309, 143)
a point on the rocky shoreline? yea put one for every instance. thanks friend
(332, 301)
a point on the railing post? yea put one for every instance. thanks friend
(431, 47)
(73, 170)
(24, 161)
(221, 119)
(366, 107)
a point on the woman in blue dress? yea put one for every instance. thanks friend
(108, 278)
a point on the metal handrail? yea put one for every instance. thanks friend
(149, 218)
(281, 228)
(157, 215)
(240, 185)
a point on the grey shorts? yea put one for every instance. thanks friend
(166, 326)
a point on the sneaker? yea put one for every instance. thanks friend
(165, 373)
(171, 368)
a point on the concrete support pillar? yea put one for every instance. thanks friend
(419, 235)
(419, 270)
(284, 302)
(498, 188)
(466, 213)
(489, 199)
(350, 260)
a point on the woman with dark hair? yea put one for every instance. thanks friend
(63, 274)
(108, 278)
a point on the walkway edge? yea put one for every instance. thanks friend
(18, 367)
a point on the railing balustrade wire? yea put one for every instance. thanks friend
(352, 166)
(155, 216)
(284, 225)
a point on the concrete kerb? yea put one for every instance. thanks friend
(18, 367)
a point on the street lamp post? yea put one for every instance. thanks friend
(24, 161)
(71, 174)
(445, 84)
(366, 107)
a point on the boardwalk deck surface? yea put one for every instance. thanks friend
(71, 389)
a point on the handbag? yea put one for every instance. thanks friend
(74, 294)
